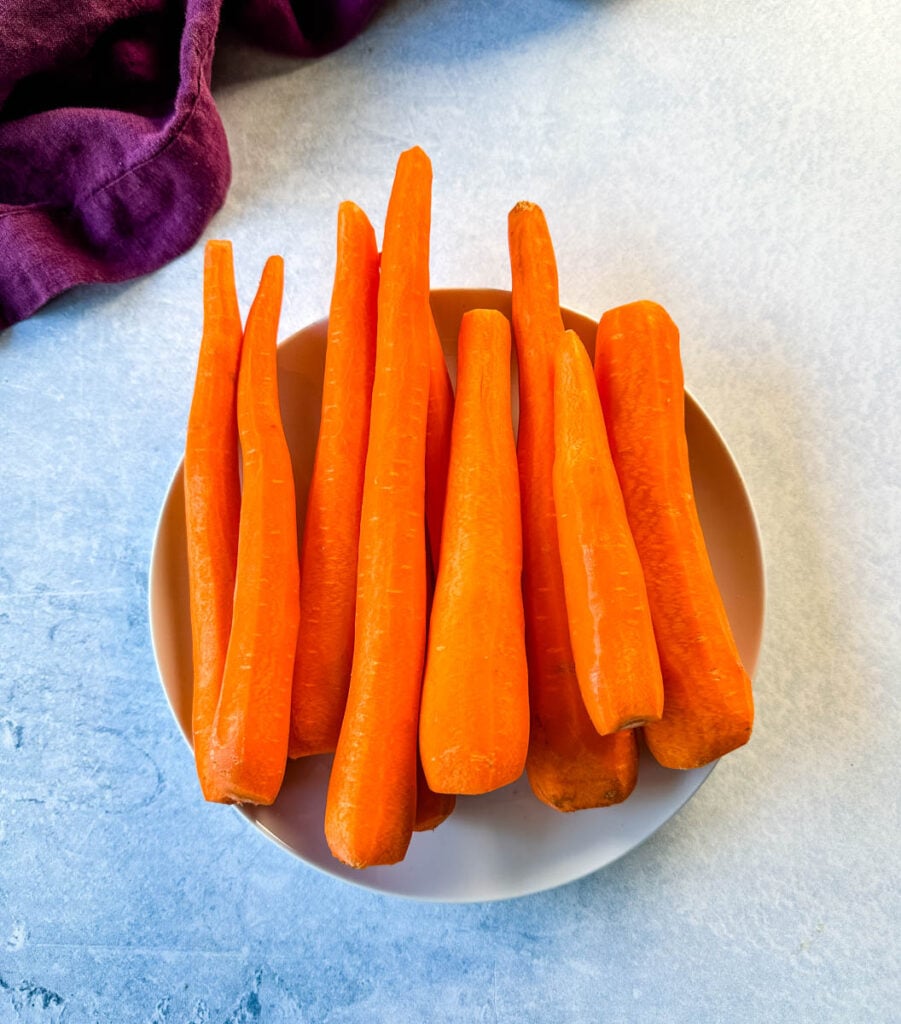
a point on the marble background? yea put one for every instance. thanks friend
(738, 162)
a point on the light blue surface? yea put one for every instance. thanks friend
(738, 162)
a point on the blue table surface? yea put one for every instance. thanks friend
(738, 162)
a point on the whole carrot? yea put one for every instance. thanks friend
(250, 734)
(570, 766)
(213, 497)
(606, 600)
(438, 441)
(328, 561)
(432, 808)
(371, 803)
(708, 708)
(474, 719)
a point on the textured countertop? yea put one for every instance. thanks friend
(739, 162)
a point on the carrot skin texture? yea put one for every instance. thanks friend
(213, 498)
(250, 735)
(371, 802)
(438, 441)
(328, 560)
(606, 600)
(474, 720)
(570, 766)
(708, 705)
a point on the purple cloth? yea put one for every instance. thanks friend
(112, 155)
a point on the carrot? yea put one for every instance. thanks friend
(708, 708)
(250, 733)
(328, 561)
(606, 600)
(371, 802)
(570, 766)
(213, 497)
(438, 441)
(432, 808)
(474, 720)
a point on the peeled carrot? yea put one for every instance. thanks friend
(432, 808)
(474, 719)
(371, 803)
(250, 733)
(570, 766)
(708, 707)
(606, 600)
(438, 441)
(328, 560)
(213, 497)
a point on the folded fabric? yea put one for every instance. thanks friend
(112, 155)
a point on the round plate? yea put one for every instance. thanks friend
(506, 843)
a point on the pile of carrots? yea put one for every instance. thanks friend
(464, 603)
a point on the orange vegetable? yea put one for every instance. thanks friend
(213, 497)
(474, 720)
(708, 707)
(250, 734)
(438, 441)
(371, 803)
(570, 766)
(606, 601)
(328, 561)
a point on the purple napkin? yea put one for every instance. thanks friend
(112, 155)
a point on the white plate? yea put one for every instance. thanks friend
(506, 843)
